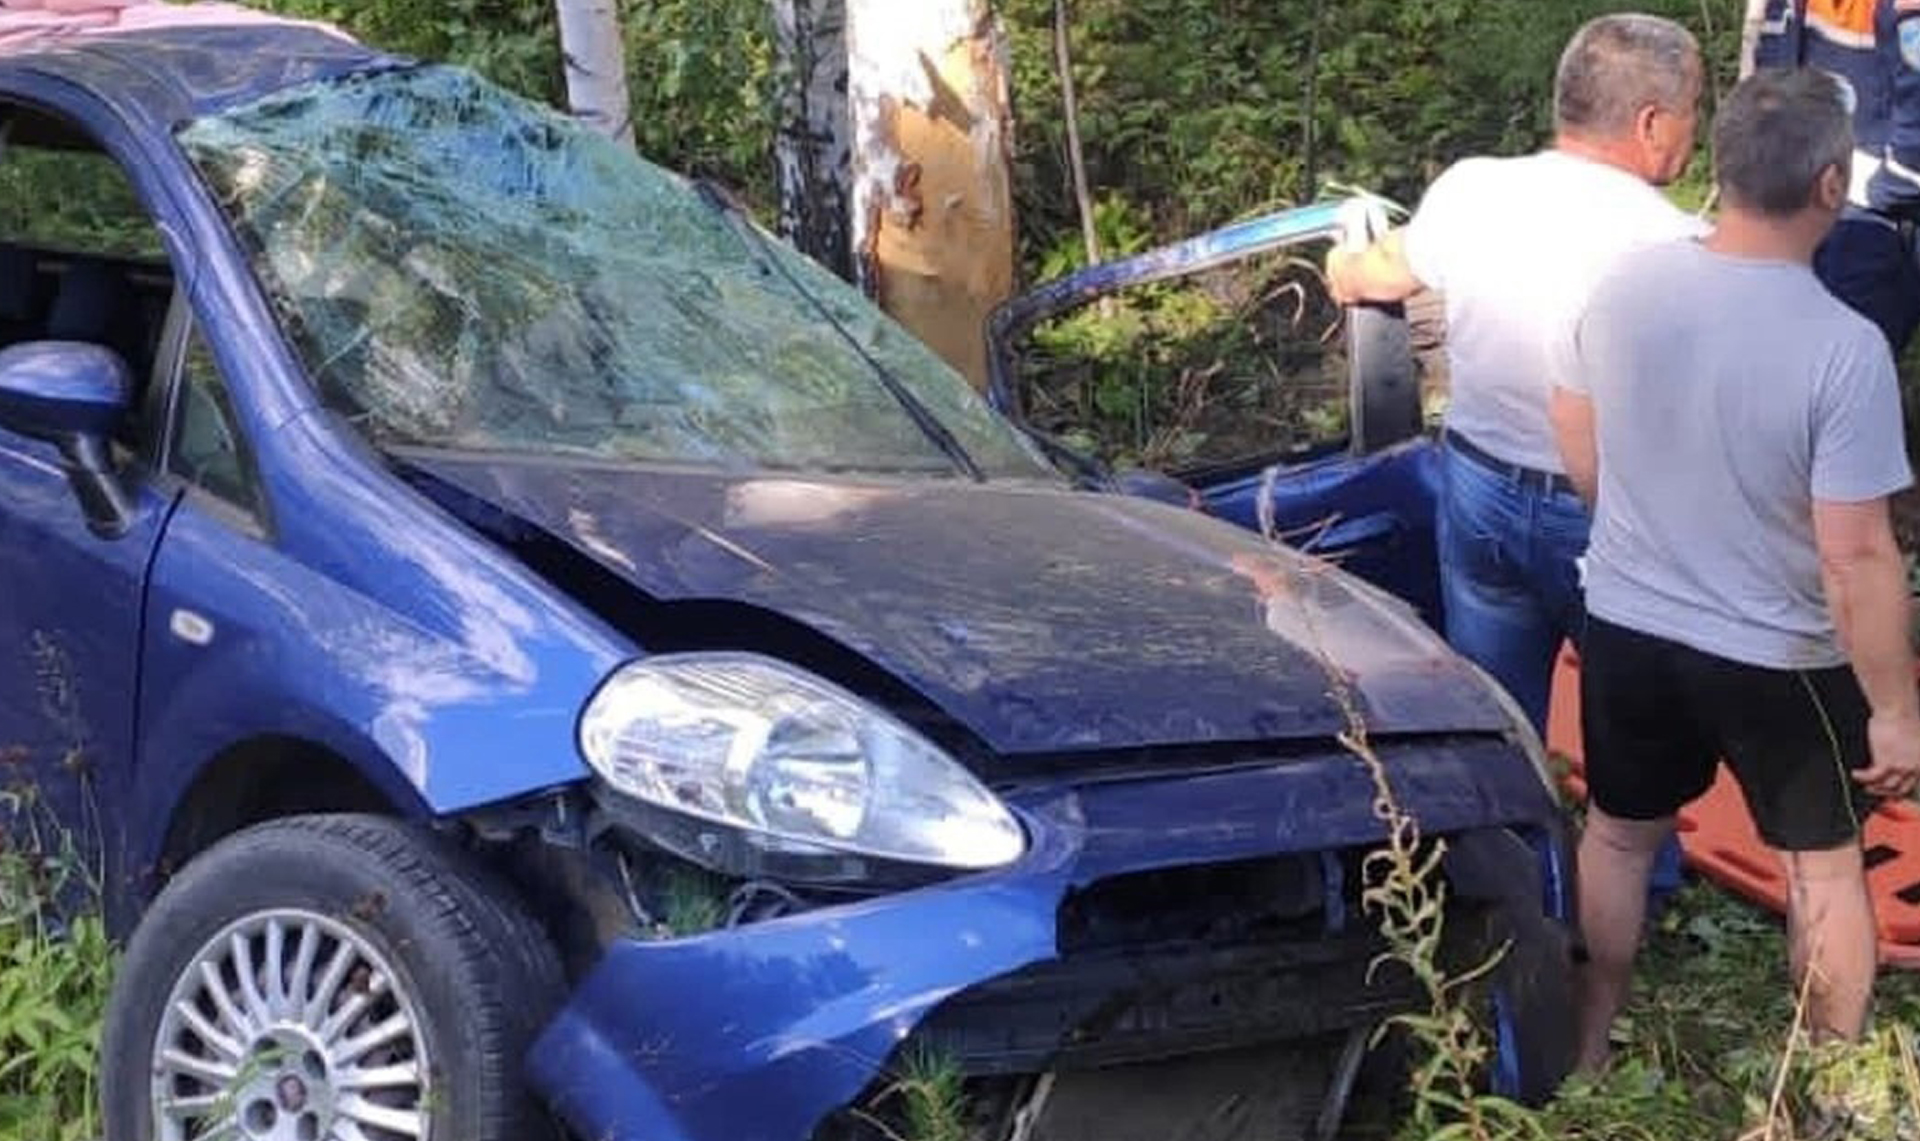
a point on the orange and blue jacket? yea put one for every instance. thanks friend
(1874, 51)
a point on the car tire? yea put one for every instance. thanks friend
(329, 968)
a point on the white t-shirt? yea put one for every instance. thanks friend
(1728, 394)
(1517, 245)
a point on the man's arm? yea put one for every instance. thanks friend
(1572, 416)
(1378, 273)
(1866, 584)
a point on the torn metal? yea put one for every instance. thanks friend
(1151, 920)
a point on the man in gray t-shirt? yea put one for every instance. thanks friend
(1739, 430)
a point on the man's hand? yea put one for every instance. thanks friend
(1377, 273)
(1340, 275)
(1894, 742)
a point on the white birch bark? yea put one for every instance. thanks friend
(1756, 19)
(813, 150)
(596, 66)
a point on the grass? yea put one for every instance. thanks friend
(1705, 1035)
(53, 993)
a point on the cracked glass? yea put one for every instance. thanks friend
(461, 269)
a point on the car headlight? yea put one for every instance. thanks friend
(1520, 728)
(758, 745)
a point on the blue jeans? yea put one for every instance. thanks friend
(1512, 591)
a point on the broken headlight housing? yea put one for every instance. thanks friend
(791, 762)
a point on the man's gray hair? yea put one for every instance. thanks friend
(1775, 135)
(1615, 65)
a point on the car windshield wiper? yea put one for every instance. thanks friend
(923, 418)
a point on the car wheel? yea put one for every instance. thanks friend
(328, 978)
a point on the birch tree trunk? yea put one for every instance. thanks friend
(815, 143)
(932, 210)
(596, 66)
(1750, 26)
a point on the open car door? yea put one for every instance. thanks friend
(1219, 370)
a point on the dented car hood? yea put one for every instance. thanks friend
(1041, 619)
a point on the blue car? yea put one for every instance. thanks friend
(517, 649)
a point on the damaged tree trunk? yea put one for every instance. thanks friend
(596, 67)
(932, 210)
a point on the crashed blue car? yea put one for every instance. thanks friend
(524, 652)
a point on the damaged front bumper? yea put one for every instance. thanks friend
(1153, 917)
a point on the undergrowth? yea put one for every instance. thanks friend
(53, 991)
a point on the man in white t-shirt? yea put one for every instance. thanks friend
(1515, 245)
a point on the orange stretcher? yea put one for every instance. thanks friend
(1720, 843)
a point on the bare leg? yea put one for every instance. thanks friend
(1831, 933)
(1616, 857)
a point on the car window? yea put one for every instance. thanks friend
(81, 258)
(208, 450)
(72, 200)
(1239, 363)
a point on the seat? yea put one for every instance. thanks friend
(18, 295)
(93, 303)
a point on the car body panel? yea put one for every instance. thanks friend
(1044, 620)
(72, 612)
(1373, 514)
(392, 634)
(798, 1015)
(174, 74)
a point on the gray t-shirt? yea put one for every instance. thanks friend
(1728, 394)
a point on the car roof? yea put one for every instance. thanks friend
(169, 63)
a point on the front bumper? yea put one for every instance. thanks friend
(758, 1033)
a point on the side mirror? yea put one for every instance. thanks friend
(72, 395)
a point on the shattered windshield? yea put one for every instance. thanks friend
(459, 268)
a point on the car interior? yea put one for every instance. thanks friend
(92, 268)
(58, 292)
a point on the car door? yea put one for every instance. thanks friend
(82, 262)
(1220, 370)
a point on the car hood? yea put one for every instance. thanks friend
(1043, 620)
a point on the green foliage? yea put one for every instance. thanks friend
(514, 42)
(68, 200)
(704, 86)
(1703, 1041)
(1198, 111)
(700, 72)
(1214, 369)
(53, 992)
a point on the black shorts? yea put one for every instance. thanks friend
(1657, 717)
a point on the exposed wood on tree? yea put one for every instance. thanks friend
(815, 142)
(933, 223)
(596, 67)
(1070, 108)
